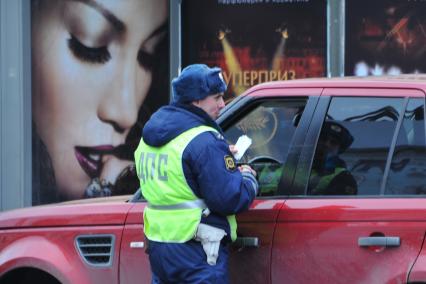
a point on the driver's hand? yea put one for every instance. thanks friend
(247, 168)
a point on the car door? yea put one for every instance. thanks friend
(276, 120)
(134, 262)
(374, 233)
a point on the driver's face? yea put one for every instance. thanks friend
(331, 145)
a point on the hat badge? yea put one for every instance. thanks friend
(221, 78)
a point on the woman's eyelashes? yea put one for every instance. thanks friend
(96, 55)
(146, 60)
(100, 55)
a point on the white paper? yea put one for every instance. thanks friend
(241, 146)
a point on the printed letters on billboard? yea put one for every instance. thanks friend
(255, 41)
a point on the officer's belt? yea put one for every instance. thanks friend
(193, 204)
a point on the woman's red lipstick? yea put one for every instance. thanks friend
(90, 158)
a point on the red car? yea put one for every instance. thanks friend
(332, 209)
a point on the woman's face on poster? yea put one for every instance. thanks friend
(92, 62)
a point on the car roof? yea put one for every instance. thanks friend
(408, 81)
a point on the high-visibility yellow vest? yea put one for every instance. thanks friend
(324, 181)
(173, 211)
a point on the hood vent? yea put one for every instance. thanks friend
(96, 250)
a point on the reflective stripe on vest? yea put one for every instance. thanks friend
(199, 203)
(174, 211)
(325, 181)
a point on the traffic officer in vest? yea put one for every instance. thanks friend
(329, 175)
(191, 182)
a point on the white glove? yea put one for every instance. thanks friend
(210, 238)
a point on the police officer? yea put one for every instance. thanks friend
(190, 179)
(329, 175)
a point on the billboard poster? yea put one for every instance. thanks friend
(385, 37)
(99, 69)
(255, 41)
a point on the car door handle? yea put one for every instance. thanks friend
(247, 242)
(379, 241)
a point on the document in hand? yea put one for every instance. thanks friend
(243, 143)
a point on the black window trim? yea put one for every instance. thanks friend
(289, 184)
(301, 178)
(424, 113)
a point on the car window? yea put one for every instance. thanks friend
(271, 126)
(353, 146)
(407, 171)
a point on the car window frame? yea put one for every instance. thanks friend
(289, 183)
(244, 107)
(304, 164)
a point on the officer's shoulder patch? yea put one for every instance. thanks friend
(230, 163)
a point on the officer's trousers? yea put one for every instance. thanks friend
(186, 263)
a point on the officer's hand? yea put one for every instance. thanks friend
(247, 168)
(233, 149)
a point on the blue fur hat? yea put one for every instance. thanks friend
(196, 82)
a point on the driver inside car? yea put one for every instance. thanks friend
(329, 175)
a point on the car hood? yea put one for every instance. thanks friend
(86, 212)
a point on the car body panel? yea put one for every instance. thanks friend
(324, 234)
(285, 92)
(411, 81)
(53, 250)
(134, 262)
(354, 209)
(374, 92)
(253, 264)
(418, 271)
(43, 237)
(105, 211)
(327, 259)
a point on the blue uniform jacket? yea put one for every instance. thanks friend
(225, 191)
